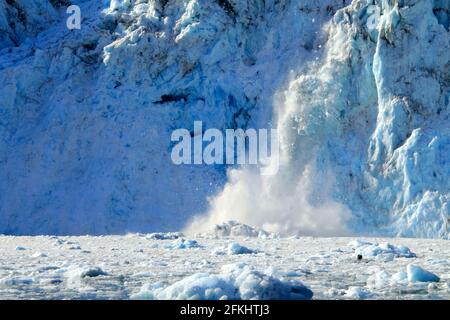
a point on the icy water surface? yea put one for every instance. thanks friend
(117, 267)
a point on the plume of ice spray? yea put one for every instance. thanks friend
(301, 197)
(260, 201)
(294, 201)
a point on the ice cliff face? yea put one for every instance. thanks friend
(86, 115)
(409, 150)
(22, 18)
(372, 117)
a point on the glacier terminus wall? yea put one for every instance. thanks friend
(361, 102)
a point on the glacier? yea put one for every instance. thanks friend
(86, 115)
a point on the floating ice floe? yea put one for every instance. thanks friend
(235, 229)
(369, 249)
(418, 274)
(92, 272)
(279, 273)
(235, 248)
(399, 277)
(384, 279)
(20, 248)
(59, 242)
(164, 236)
(39, 255)
(85, 272)
(439, 261)
(16, 281)
(178, 244)
(184, 244)
(76, 274)
(237, 281)
(357, 293)
(379, 280)
(413, 273)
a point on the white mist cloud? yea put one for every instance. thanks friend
(275, 204)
